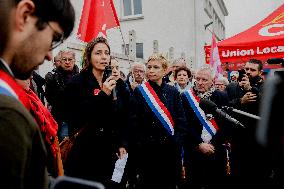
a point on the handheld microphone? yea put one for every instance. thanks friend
(107, 74)
(210, 107)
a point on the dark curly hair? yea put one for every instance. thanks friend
(88, 51)
(184, 69)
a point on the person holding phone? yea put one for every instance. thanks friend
(90, 107)
(137, 75)
(249, 161)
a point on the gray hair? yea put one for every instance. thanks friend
(138, 64)
(208, 68)
(66, 51)
(223, 80)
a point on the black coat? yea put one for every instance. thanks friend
(158, 152)
(249, 159)
(198, 165)
(38, 89)
(103, 119)
(56, 82)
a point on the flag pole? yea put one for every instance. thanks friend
(125, 50)
(212, 32)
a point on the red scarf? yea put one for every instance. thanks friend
(29, 99)
(22, 97)
(48, 126)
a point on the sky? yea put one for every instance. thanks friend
(244, 14)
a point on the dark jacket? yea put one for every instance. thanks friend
(23, 154)
(199, 165)
(220, 99)
(55, 85)
(148, 126)
(155, 148)
(249, 161)
(37, 86)
(103, 120)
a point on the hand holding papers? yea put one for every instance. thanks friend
(119, 168)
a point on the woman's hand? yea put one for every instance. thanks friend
(121, 152)
(109, 85)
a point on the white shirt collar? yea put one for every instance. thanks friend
(6, 65)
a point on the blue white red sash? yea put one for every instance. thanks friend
(9, 87)
(5, 88)
(157, 106)
(210, 127)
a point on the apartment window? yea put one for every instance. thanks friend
(139, 50)
(132, 7)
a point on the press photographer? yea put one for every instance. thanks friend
(249, 164)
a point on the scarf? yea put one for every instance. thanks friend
(205, 95)
(48, 126)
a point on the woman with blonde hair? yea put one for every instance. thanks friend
(158, 128)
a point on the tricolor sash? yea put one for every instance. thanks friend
(210, 127)
(157, 106)
(9, 87)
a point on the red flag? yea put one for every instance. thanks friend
(97, 17)
(215, 58)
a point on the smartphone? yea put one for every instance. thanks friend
(107, 73)
(242, 74)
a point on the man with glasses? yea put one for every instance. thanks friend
(136, 76)
(29, 30)
(56, 81)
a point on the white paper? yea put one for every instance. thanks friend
(119, 169)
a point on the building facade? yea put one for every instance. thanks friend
(176, 29)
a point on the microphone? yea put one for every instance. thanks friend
(231, 109)
(210, 107)
(107, 74)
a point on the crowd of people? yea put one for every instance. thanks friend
(153, 114)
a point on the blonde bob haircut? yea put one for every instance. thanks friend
(161, 58)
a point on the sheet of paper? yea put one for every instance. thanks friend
(119, 169)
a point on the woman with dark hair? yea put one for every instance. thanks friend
(182, 78)
(92, 109)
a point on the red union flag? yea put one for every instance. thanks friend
(215, 58)
(97, 17)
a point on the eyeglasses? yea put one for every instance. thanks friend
(139, 71)
(58, 38)
(67, 59)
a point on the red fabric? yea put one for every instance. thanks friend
(44, 119)
(97, 16)
(16, 88)
(263, 41)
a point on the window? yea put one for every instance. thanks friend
(132, 7)
(139, 50)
